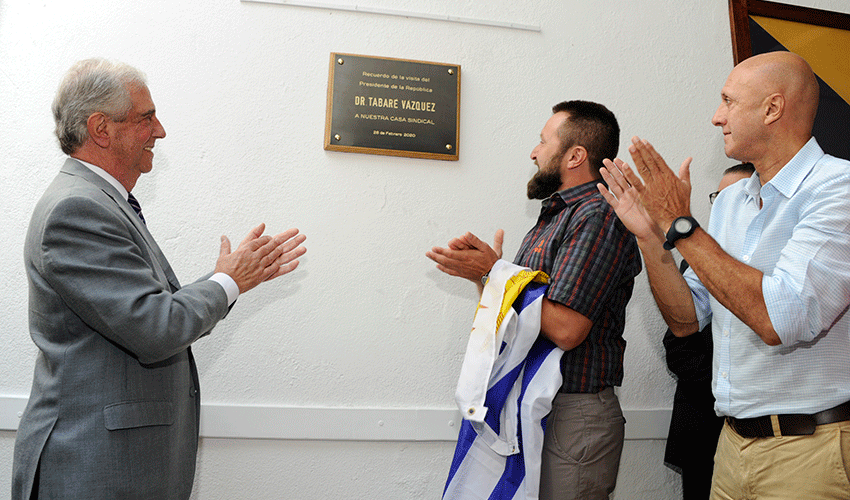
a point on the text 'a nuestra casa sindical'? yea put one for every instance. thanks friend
(405, 119)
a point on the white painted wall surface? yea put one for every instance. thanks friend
(366, 321)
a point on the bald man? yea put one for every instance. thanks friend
(772, 272)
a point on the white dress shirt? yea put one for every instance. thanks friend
(230, 287)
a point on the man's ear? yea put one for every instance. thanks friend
(774, 107)
(574, 157)
(98, 127)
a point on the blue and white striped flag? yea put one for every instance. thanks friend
(509, 377)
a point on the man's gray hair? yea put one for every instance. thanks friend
(92, 86)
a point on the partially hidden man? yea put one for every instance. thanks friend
(114, 408)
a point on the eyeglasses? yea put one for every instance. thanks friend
(712, 196)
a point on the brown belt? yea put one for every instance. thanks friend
(789, 425)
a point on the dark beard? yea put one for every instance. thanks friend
(543, 184)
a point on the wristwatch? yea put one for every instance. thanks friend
(682, 227)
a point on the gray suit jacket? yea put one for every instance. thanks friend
(114, 408)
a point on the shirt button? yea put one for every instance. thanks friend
(723, 374)
(725, 333)
(745, 258)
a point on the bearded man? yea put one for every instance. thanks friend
(592, 260)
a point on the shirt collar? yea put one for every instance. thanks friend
(787, 181)
(566, 197)
(752, 187)
(108, 178)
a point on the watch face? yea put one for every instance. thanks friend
(683, 225)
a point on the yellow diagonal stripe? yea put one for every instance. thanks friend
(515, 286)
(827, 50)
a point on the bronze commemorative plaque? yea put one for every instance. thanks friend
(393, 107)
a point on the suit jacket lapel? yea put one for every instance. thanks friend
(75, 168)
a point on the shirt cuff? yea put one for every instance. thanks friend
(701, 298)
(230, 286)
(786, 311)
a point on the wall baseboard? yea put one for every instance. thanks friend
(230, 421)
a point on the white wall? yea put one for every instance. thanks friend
(366, 321)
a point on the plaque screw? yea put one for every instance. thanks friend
(449, 147)
(337, 137)
(451, 71)
(340, 61)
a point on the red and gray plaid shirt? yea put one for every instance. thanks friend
(592, 260)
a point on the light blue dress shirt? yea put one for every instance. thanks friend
(800, 240)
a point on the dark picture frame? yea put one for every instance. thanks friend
(394, 107)
(809, 30)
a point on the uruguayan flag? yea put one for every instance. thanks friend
(509, 377)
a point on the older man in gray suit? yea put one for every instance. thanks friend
(115, 407)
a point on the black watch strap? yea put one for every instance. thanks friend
(682, 227)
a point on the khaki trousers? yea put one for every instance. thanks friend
(783, 468)
(582, 446)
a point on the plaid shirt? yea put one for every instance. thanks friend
(592, 261)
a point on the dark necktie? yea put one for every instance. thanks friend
(135, 204)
